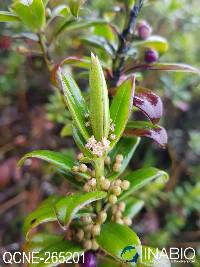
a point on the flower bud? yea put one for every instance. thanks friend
(114, 209)
(102, 216)
(112, 199)
(125, 185)
(87, 244)
(127, 221)
(122, 206)
(118, 214)
(96, 229)
(86, 188)
(83, 168)
(80, 156)
(144, 30)
(95, 245)
(151, 56)
(86, 219)
(112, 136)
(118, 182)
(119, 158)
(105, 184)
(116, 167)
(80, 234)
(116, 190)
(120, 221)
(107, 160)
(75, 168)
(92, 182)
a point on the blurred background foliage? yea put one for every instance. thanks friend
(33, 116)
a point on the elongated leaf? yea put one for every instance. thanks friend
(99, 102)
(60, 11)
(149, 103)
(75, 101)
(126, 147)
(99, 42)
(31, 12)
(121, 107)
(68, 206)
(133, 207)
(60, 252)
(45, 2)
(6, 16)
(147, 129)
(75, 6)
(114, 238)
(156, 42)
(74, 24)
(44, 213)
(177, 67)
(141, 178)
(59, 160)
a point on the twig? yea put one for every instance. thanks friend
(44, 48)
(123, 47)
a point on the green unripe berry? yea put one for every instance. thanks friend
(105, 184)
(107, 160)
(127, 221)
(119, 158)
(120, 221)
(122, 206)
(116, 167)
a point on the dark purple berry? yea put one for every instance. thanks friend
(151, 56)
(144, 30)
(89, 260)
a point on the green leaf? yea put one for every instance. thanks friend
(60, 11)
(41, 240)
(121, 107)
(126, 147)
(99, 102)
(133, 207)
(6, 16)
(176, 67)
(114, 238)
(59, 160)
(75, 102)
(44, 213)
(156, 42)
(141, 178)
(66, 130)
(67, 207)
(31, 12)
(75, 6)
(99, 42)
(45, 2)
(59, 252)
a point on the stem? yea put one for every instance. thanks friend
(46, 56)
(99, 170)
(123, 47)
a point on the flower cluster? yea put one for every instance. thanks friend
(97, 148)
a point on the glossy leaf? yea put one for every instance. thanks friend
(68, 206)
(133, 207)
(60, 11)
(177, 67)
(44, 213)
(45, 2)
(121, 107)
(141, 178)
(75, 6)
(66, 130)
(32, 13)
(56, 251)
(147, 129)
(149, 103)
(99, 102)
(6, 16)
(158, 43)
(59, 160)
(126, 146)
(41, 240)
(115, 237)
(99, 42)
(75, 101)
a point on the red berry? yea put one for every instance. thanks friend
(89, 260)
(151, 56)
(144, 30)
